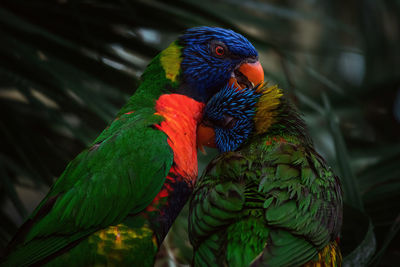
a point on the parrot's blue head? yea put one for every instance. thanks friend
(212, 57)
(229, 115)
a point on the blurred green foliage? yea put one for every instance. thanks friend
(67, 66)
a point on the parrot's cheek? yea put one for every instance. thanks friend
(248, 75)
(205, 137)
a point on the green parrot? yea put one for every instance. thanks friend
(269, 199)
(115, 202)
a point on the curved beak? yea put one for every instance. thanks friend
(248, 75)
(205, 137)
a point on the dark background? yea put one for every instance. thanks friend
(67, 66)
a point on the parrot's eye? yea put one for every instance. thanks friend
(219, 50)
(228, 122)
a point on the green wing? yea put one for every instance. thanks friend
(121, 173)
(288, 207)
(217, 202)
(303, 197)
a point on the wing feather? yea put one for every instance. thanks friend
(289, 192)
(121, 173)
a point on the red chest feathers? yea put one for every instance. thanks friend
(181, 116)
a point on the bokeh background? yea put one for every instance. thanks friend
(67, 66)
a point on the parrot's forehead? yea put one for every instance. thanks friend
(236, 43)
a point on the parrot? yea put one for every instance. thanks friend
(268, 199)
(115, 202)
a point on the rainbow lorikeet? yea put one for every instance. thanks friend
(269, 199)
(115, 202)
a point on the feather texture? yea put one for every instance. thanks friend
(115, 202)
(271, 202)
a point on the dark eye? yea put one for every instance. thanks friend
(219, 50)
(228, 122)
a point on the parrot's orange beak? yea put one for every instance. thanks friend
(248, 75)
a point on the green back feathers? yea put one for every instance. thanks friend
(160, 76)
(120, 174)
(273, 193)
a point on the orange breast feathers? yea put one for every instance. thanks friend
(181, 116)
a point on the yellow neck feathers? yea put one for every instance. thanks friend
(171, 59)
(266, 107)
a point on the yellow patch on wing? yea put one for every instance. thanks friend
(266, 107)
(171, 61)
(114, 241)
